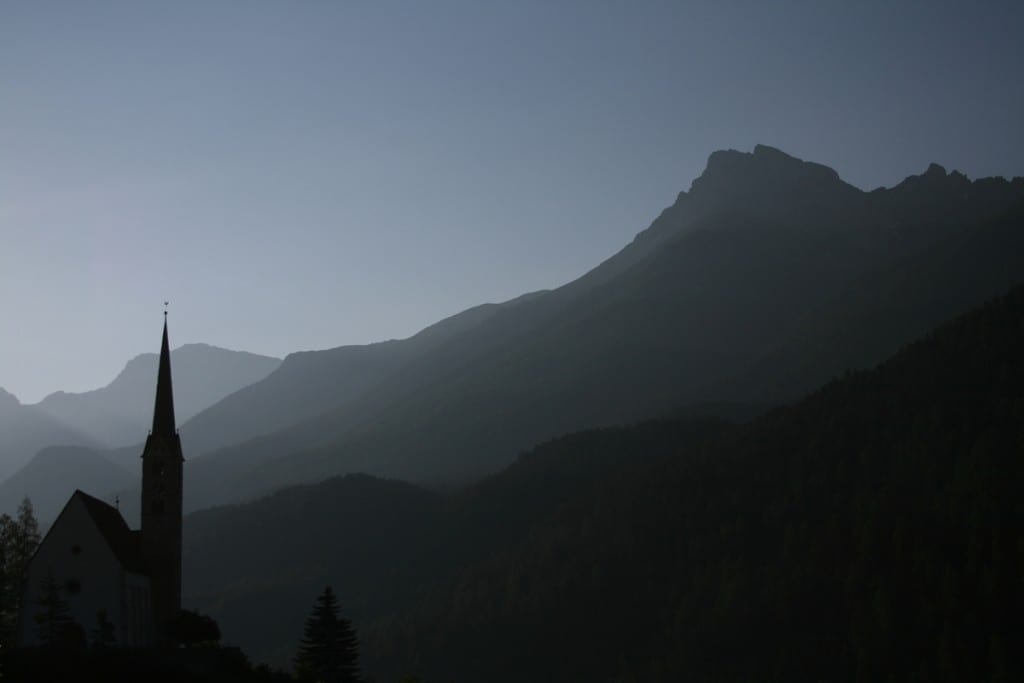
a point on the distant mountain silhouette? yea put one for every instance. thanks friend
(24, 430)
(767, 278)
(310, 383)
(8, 402)
(119, 413)
(859, 535)
(866, 532)
(54, 473)
(720, 299)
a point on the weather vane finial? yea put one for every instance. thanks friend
(165, 308)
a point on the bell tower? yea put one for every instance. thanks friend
(162, 463)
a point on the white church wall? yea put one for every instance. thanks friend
(77, 555)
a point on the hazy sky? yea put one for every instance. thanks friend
(296, 175)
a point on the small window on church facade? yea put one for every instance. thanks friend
(76, 549)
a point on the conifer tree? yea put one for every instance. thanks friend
(26, 538)
(19, 539)
(329, 652)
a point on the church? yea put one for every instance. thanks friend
(124, 582)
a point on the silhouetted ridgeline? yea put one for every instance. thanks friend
(117, 414)
(50, 477)
(49, 449)
(871, 531)
(24, 430)
(765, 279)
(310, 383)
(737, 293)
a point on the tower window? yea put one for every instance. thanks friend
(76, 549)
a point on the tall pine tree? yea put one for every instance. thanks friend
(329, 652)
(19, 539)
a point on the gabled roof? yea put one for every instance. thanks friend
(123, 541)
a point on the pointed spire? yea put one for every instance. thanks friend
(163, 412)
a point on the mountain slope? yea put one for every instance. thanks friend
(329, 372)
(889, 306)
(54, 473)
(359, 532)
(383, 544)
(310, 383)
(119, 413)
(870, 531)
(24, 430)
(725, 280)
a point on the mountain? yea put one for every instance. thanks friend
(306, 383)
(119, 413)
(888, 307)
(766, 257)
(54, 473)
(242, 562)
(24, 430)
(310, 383)
(862, 534)
(870, 531)
(362, 530)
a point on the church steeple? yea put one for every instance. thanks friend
(162, 480)
(163, 411)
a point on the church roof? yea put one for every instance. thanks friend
(122, 540)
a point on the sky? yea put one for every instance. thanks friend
(303, 175)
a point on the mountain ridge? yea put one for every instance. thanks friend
(118, 413)
(54, 473)
(718, 285)
(871, 230)
(851, 528)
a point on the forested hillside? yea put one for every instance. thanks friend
(385, 544)
(871, 531)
